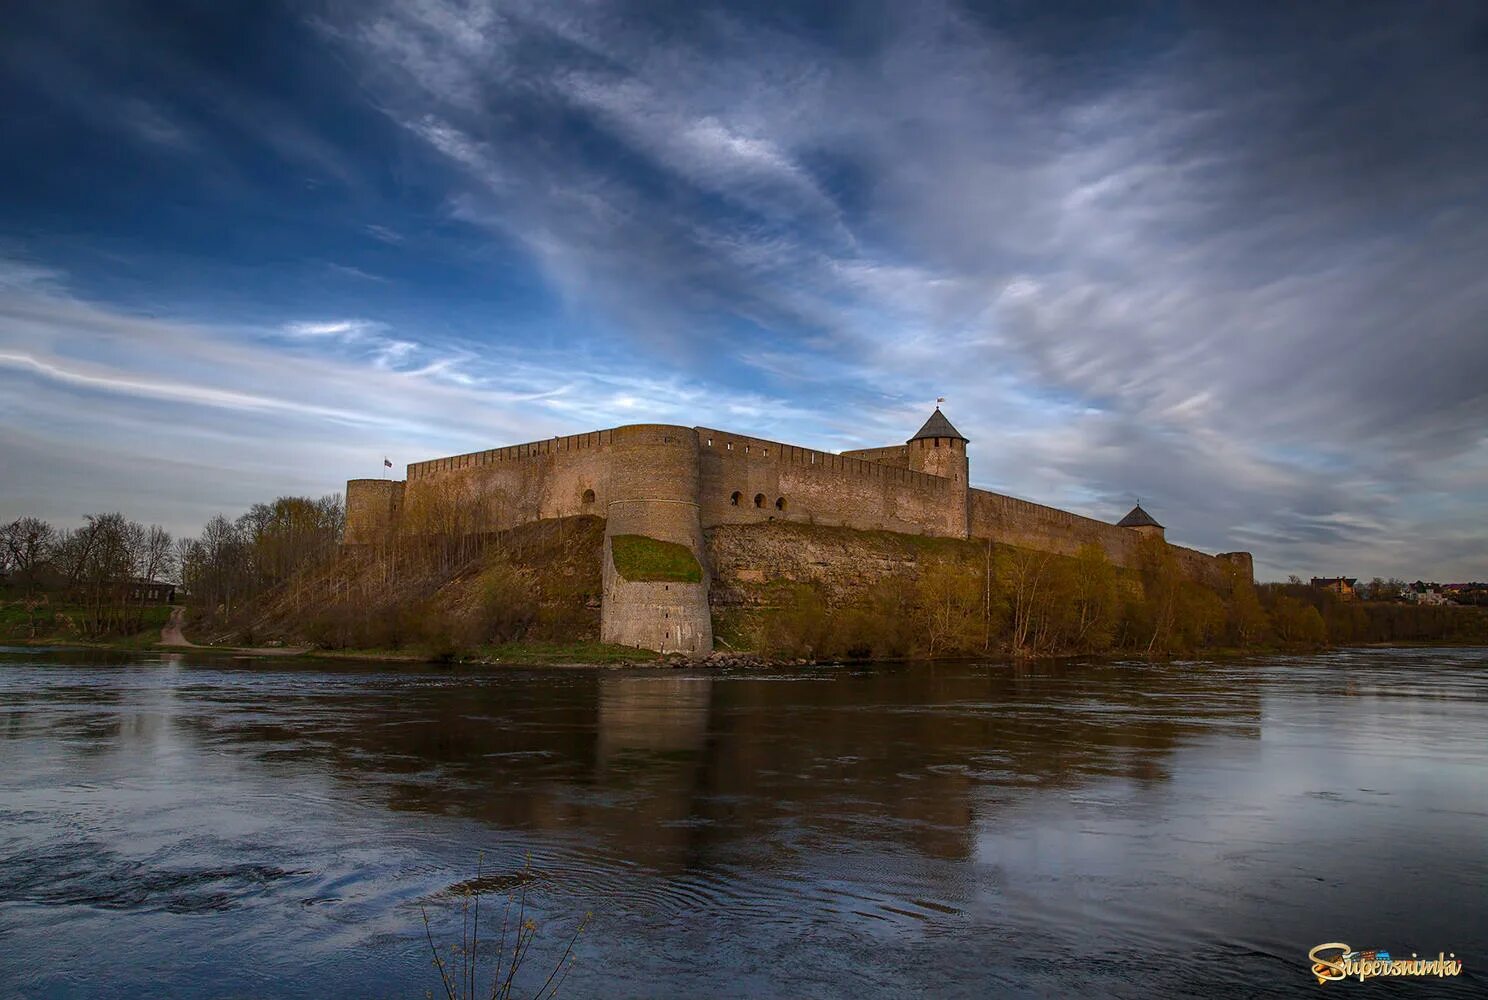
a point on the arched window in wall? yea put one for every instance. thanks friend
(735, 498)
(780, 503)
(759, 499)
(588, 497)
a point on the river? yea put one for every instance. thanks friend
(176, 825)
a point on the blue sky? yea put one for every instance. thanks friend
(1229, 260)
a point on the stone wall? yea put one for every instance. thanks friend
(1030, 525)
(894, 454)
(747, 480)
(503, 487)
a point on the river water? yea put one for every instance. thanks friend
(188, 827)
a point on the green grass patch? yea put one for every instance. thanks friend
(59, 620)
(645, 560)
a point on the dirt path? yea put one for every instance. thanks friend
(171, 635)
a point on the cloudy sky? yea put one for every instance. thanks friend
(1226, 258)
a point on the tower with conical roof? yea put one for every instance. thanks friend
(1142, 523)
(940, 450)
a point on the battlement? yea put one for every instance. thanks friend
(847, 463)
(510, 453)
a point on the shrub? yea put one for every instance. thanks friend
(505, 607)
(796, 623)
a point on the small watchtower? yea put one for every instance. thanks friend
(1142, 523)
(939, 449)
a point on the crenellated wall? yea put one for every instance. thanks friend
(673, 483)
(783, 482)
(504, 487)
(896, 454)
(1030, 525)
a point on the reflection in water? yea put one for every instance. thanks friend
(966, 828)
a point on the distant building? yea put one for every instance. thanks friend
(147, 591)
(1426, 593)
(1343, 586)
(1467, 593)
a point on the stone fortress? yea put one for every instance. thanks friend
(673, 484)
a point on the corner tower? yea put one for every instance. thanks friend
(372, 508)
(938, 449)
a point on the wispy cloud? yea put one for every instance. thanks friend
(148, 122)
(341, 329)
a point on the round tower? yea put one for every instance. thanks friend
(372, 508)
(655, 575)
(938, 449)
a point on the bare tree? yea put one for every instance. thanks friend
(1024, 571)
(185, 558)
(26, 545)
(158, 556)
(101, 559)
(952, 608)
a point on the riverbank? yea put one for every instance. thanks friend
(170, 636)
(596, 655)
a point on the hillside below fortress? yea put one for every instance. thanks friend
(660, 488)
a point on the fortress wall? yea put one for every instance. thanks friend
(1241, 560)
(1031, 525)
(643, 479)
(503, 487)
(1200, 566)
(819, 488)
(895, 454)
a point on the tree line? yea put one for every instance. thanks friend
(1006, 600)
(97, 565)
(95, 569)
(231, 563)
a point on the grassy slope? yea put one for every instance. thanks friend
(557, 563)
(642, 559)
